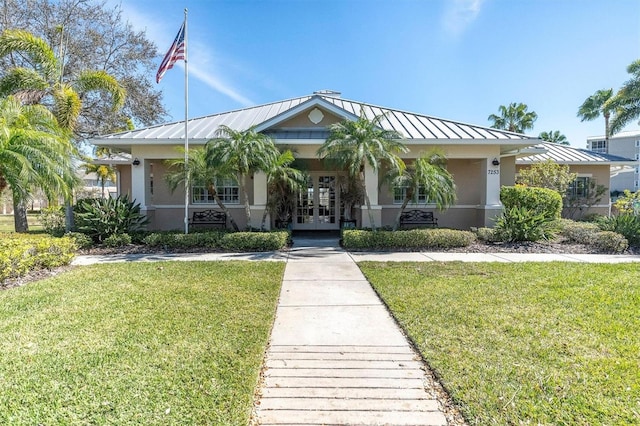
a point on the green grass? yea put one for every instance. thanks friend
(141, 343)
(552, 343)
(6, 223)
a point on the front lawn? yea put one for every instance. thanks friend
(535, 343)
(7, 222)
(139, 343)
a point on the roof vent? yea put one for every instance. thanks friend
(330, 93)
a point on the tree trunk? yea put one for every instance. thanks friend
(213, 191)
(247, 206)
(20, 216)
(396, 225)
(368, 202)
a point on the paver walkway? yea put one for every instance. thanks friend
(336, 357)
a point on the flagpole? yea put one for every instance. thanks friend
(186, 128)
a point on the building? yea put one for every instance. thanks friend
(623, 144)
(481, 159)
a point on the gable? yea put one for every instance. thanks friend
(312, 117)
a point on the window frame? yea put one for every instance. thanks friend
(228, 192)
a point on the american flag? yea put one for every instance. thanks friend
(175, 53)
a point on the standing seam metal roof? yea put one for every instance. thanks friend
(567, 154)
(410, 125)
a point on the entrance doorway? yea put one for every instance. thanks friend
(318, 207)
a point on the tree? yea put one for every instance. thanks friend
(351, 145)
(596, 105)
(554, 137)
(429, 177)
(200, 173)
(514, 118)
(246, 152)
(548, 174)
(103, 172)
(92, 35)
(626, 103)
(42, 82)
(283, 183)
(34, 151)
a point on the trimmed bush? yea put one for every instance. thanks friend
(540, 201)
(231, 241)
(117, 240)
(20, 255)
(580, 232)
(610, 242)
(487, 234)
(254, 241)
(410, 239)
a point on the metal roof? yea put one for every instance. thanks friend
(619, 135)
(410, 125)
(565, 154)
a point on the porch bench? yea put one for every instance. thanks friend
(418, 217)
(209, 217)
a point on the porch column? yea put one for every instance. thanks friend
(490, 201)
(140, 190)
(259, 200)
(371, 182)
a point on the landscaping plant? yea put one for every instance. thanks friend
(101, 217)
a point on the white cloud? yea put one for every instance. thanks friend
(162, 34)
(460, 14)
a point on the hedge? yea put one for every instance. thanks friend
(21, 254)
(411, 239)
(228, 241)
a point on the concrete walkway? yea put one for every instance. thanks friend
(336, 357)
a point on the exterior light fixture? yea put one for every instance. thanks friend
(495, 162)
(136, 162)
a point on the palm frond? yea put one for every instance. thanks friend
(35, 49)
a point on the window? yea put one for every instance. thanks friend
(400, 192)
(579, 188)
(599, 146)
(228, 192)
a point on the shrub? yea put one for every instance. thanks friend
(81, 240)
(625, 224)
(487, 234)
(610, 242)
(410, 239)
(580, 232)
(101, 217)
(524, 224)
(53, 220)
(117, 240)
(177, 240)
(540, 201)
(21, 255)
(254, 241)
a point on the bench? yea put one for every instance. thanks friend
(209, 217)
(418, 217)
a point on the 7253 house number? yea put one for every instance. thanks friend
(493, 172)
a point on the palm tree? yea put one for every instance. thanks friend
(352, 145)
(596, 105)
(246, 152)
(103, 172)
(43, 83)
(283, 182)
(514, 118)
(429, 177)
(626, 102)
(199, 174)
(34, 151)
(554, 136)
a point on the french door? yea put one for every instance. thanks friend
(318, 206)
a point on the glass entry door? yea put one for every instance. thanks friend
(317, 207)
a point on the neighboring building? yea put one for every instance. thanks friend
(623, 144)
(481, 160)
(591, 167)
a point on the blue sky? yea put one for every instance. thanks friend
(455, 59)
